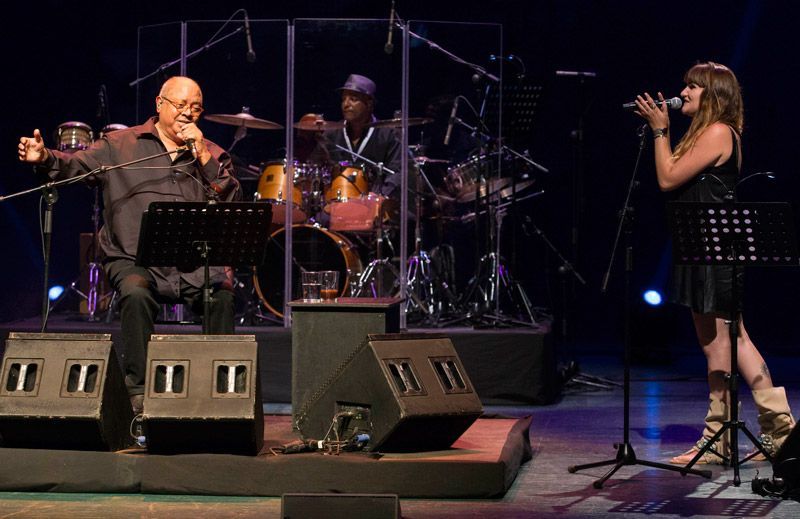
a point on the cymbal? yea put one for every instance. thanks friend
(398, 122)
(500, 187)
(318, 125)
(243, 119)
(427, 160)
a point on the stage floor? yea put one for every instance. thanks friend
(482, 463)
(582, 426)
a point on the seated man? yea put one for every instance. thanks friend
(191, 169)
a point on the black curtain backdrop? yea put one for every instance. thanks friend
(58, 54)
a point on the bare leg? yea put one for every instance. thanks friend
(751, 364)
(712, 333)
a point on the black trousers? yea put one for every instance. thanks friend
(139, 304)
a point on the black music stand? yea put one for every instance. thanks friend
(734, 234)
(188, 235)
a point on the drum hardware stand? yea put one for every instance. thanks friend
(571, 373)
(492, 275)
(422, 282)
(625, 453)
(241, 130)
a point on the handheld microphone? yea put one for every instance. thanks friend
(673, 103)
(251, 54)
(389, 47)
(192, 147)
(451, 121)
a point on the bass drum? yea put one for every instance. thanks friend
(313, 249)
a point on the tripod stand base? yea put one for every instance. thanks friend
(626, 456)
(734, 426)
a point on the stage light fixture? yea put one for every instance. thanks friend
(55, 292)
(652, 297)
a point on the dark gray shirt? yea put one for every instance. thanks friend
(128, 192)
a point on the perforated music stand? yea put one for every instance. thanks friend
(188, 235)
(520, 99)
(734, 234)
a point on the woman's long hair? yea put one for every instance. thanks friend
(721, 101)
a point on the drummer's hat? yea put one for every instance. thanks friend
(360, 84)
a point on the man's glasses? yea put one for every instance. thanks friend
(195, 109)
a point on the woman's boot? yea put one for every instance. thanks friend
(774, 417)
(715, 417)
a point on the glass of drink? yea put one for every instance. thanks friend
(312, 283)
(330, 285)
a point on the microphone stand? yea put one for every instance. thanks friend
(625, 454)
(209, 44)
(50, 196)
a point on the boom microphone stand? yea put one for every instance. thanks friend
(625, 454)
(50, 196)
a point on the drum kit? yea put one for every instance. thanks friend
(357, 221)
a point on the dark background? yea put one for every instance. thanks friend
(58, 54)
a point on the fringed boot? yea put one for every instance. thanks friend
(774, 417)
(716, 416)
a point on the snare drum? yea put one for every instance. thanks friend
(72, 136)
(270, 189)
(313, 249)
(348, 181)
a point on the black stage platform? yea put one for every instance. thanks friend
(483, 463)
(506, 365)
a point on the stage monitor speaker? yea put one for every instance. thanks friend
(408, 392)
(203, 394)
(340, 506)
(63, 391)
(324, 334)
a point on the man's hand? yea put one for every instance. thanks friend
(31, 149)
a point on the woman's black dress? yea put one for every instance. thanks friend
(707, 289)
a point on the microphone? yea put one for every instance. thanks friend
(673, 104)
(192, 147)
(576, 73)
(451, 121)
(389, 47)
(251, 54)
(101, 102)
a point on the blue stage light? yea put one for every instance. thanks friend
(55, 292)
(652, 297)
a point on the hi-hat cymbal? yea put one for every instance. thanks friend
(398, 122)
(319, 125)
(243, 119)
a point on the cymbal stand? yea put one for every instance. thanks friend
(94, 269)
(484, 291)
(422, 282)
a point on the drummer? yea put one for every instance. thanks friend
(380, 145)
